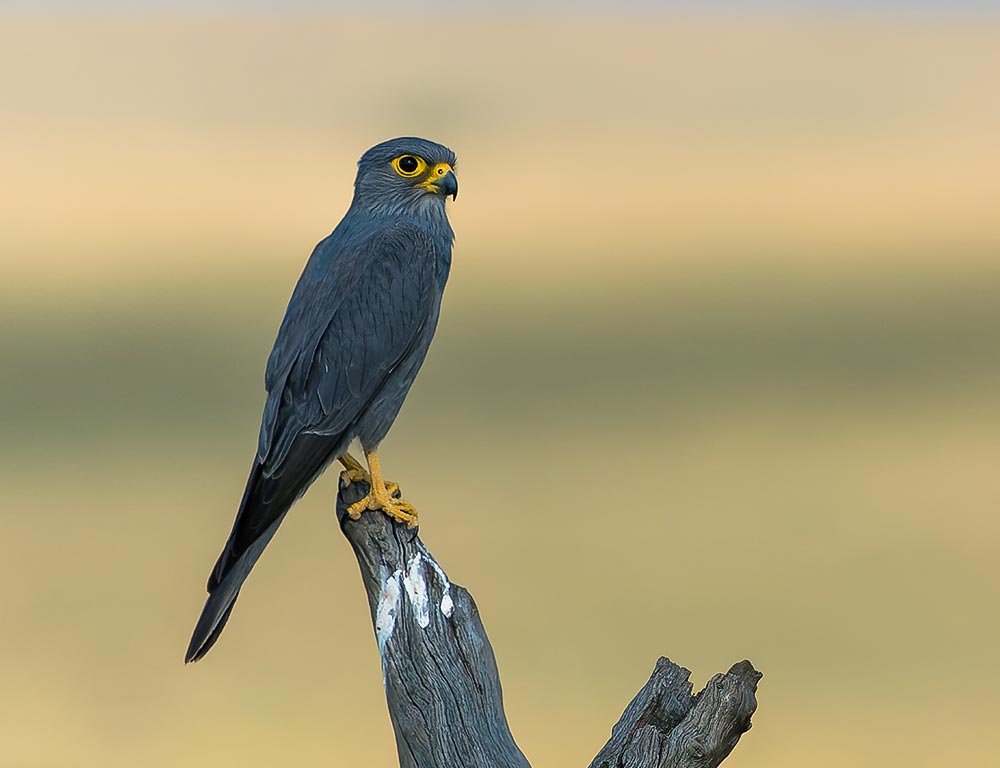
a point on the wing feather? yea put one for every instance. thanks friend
(363, 313)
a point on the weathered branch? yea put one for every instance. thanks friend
(443, 688)
(664, 726)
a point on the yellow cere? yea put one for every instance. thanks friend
(437, 172)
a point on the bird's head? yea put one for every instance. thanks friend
(405, 175)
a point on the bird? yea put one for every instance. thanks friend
(354, 335)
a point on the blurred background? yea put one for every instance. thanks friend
(723, 326)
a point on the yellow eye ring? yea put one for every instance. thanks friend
(409, 166)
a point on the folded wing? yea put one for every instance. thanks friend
(356, 313)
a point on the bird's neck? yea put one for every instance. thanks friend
(428, 214)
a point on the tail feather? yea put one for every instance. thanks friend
(200, 642)
(221, 600)
(266, 500)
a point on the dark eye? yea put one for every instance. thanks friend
(409, 166)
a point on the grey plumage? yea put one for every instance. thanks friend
(354, 335)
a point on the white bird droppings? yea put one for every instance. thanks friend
(386, 610)
(416, 590)
(414, 584)
(447, 605)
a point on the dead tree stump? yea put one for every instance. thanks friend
(443, 688)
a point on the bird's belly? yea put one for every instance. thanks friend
(376, 420)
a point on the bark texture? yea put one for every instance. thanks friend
(443, 688)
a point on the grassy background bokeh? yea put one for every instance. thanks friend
(717, 375)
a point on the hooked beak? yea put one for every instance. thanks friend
(448, 184)
(442, 181)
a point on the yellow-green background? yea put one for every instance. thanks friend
(718, 374)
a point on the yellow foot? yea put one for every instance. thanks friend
(383, 498)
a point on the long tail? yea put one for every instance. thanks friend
(266, 500)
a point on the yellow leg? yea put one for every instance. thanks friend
(381, 497)
(355, 473)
